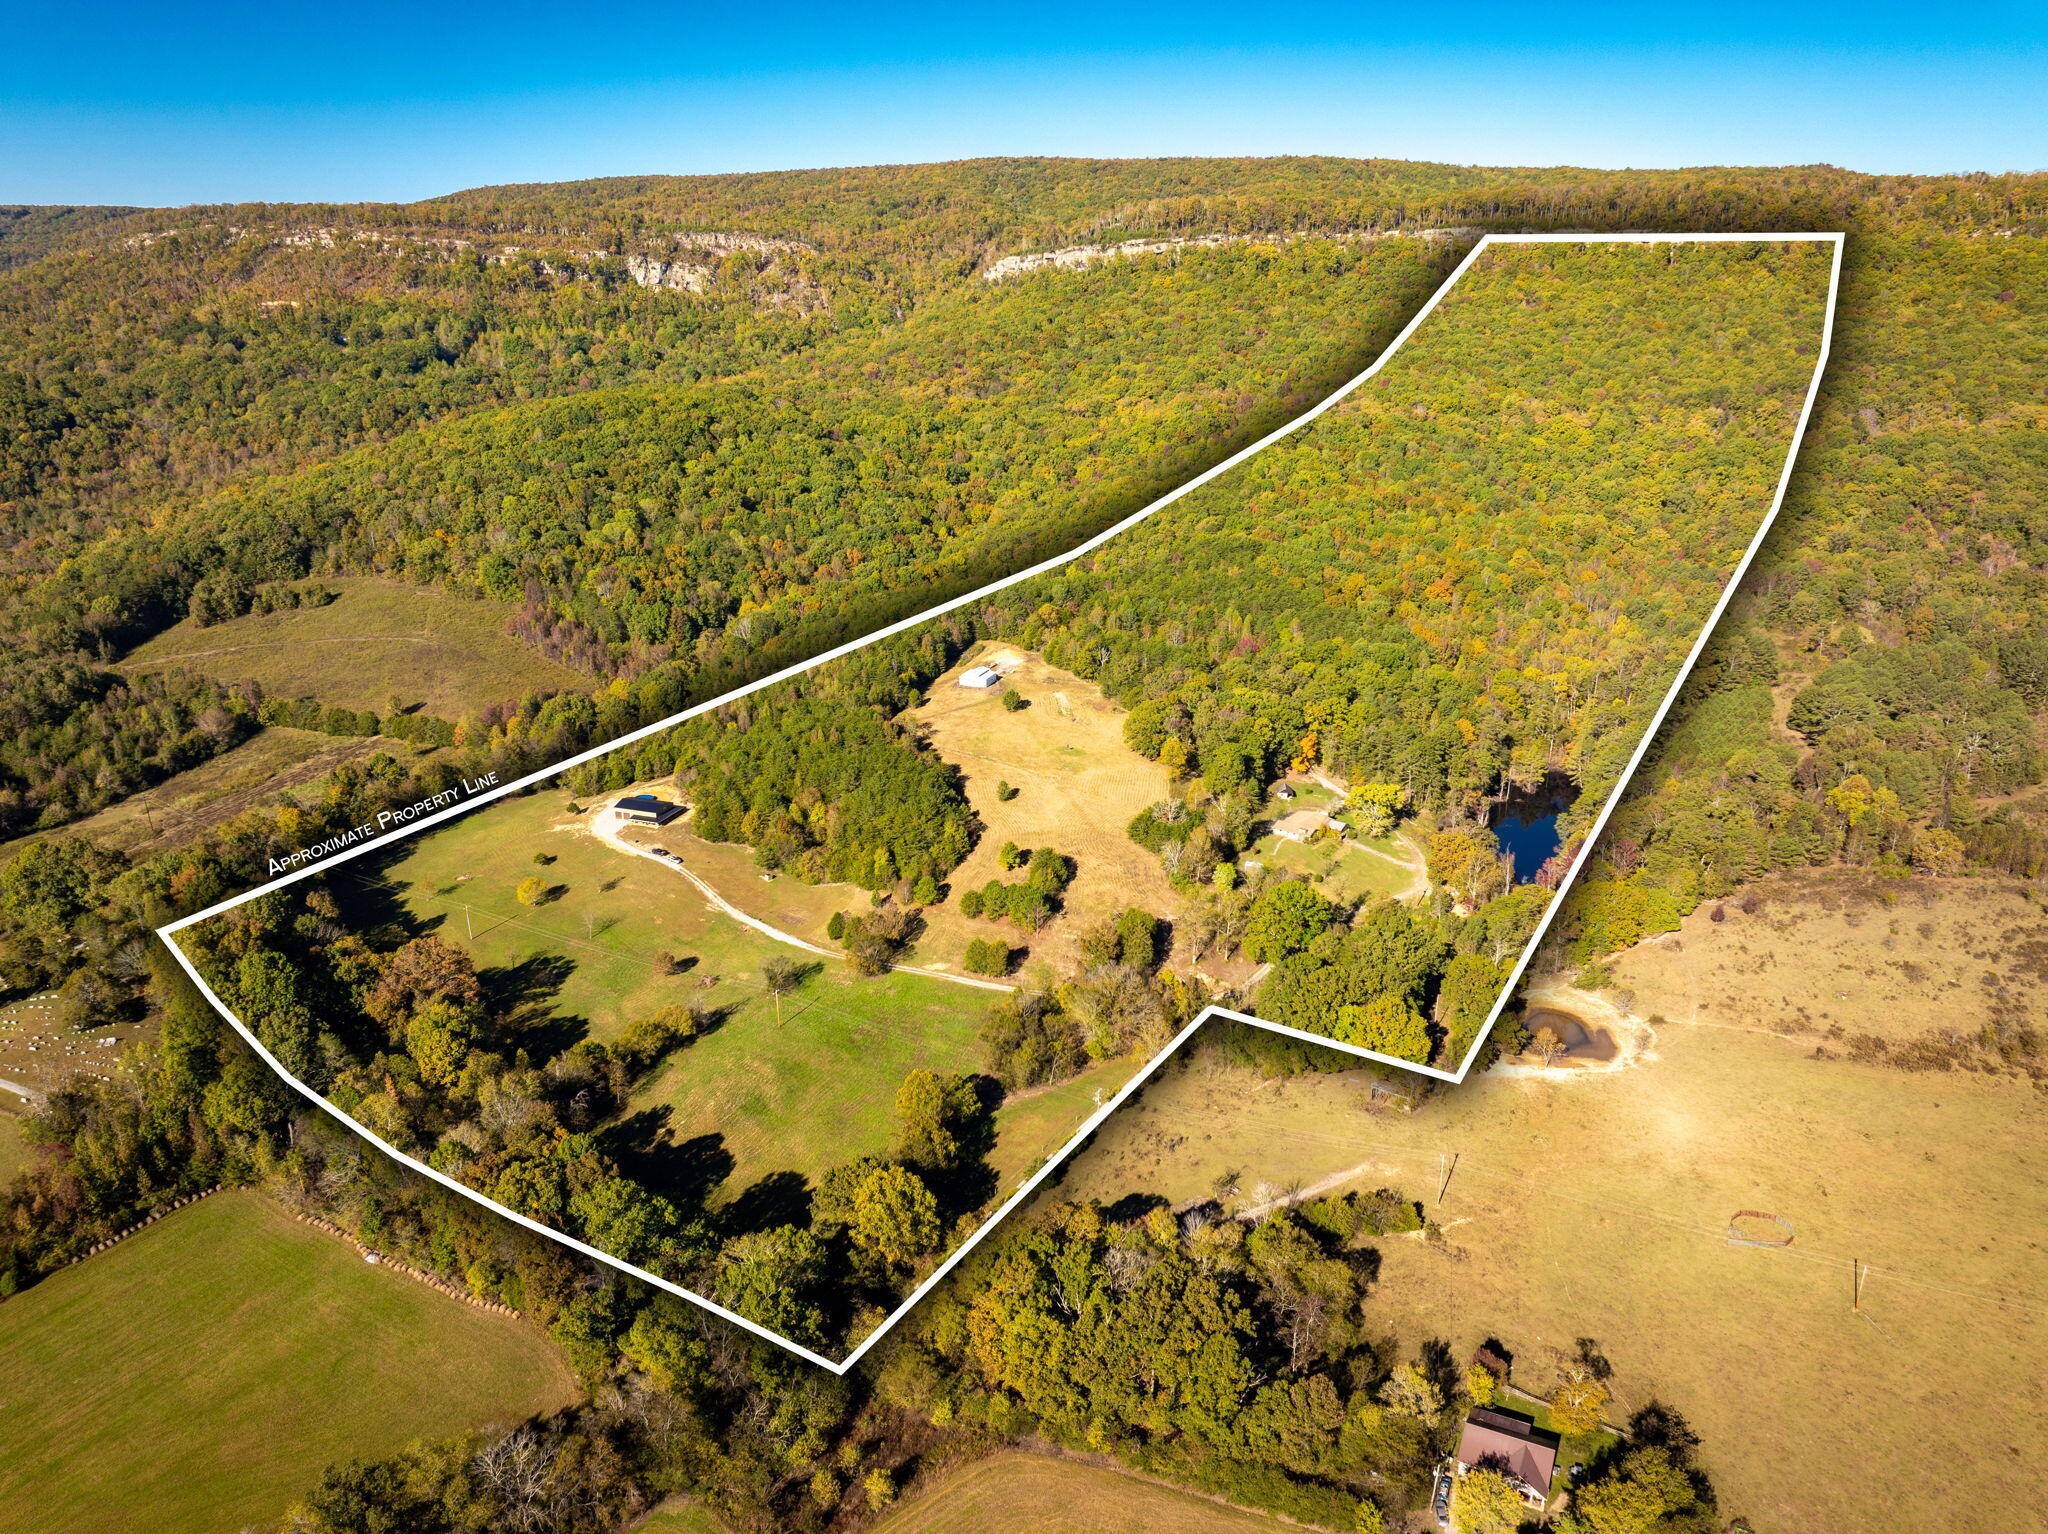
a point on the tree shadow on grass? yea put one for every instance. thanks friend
(780, 1198)
(372, 905)
(523, 994)
(684, 1172)
(971, 1182)
(1133, 1206)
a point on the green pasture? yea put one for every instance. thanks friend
(379, 640)
(797, 1088)
(200, 1376)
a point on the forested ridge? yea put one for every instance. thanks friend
(324, 366)
(1903, 585)
(1481, 569)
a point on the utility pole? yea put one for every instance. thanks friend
(468, 925)
(1446, 1166)
(1856, 1283)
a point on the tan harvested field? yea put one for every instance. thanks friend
(181, 809)
(1897, 959)
(41, 1054)
(1078, 787)
(1596, 1204)
(377, 640)
(1014, 1493)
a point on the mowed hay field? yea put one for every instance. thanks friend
(803, 1094)
(202, 1374)
(1597, 1206)
(1014, 1493)
(377, 640)
(180, 809)
(1078, 788)
(680, 1518)
(14, 1153)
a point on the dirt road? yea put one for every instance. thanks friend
(605, 828)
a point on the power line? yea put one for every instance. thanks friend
(1718, 1234)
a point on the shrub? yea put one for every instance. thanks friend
(645, 1042)
(985, 956)
(880, 1488)
(1049, 872)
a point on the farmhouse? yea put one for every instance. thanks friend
(646, 810)
(980, 676)
(1517, 1449)
(1300, 825)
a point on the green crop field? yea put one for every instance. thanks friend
(803, 1092)
(1027, 1494)
(200, 1375)
(377, 641)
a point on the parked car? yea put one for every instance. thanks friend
(1441, 1502)
(660, 852)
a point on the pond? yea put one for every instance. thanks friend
(1525, 820)
(1582, 1040)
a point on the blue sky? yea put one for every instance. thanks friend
(174, 103)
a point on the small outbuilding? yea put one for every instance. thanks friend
(1511, 1446)
(980, 677)
(646, 810)
(1384, 1094)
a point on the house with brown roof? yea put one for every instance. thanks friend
(1300, 825)
(1513, 1446)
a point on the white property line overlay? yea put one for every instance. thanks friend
(1095, 1120)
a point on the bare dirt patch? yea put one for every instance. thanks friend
(1599, 1034)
